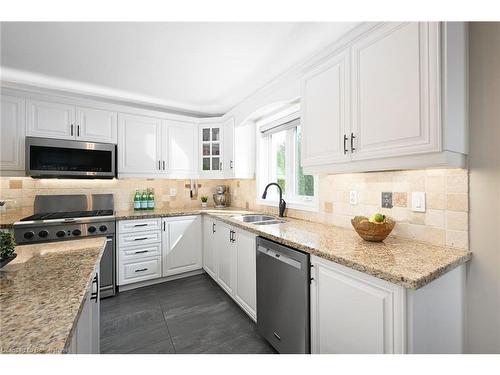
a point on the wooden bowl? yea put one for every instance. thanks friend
(373, 232)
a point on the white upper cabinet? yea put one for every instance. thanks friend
(50, 119)
(228, 162)
(139, 145)
(211, 149)
(181, 245)
(325, 104)
(96, 125)
(181, 148)
(396, 91)
(12, 129)
(382, 101)
(61, 120)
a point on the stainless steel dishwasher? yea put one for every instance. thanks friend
(283, 278)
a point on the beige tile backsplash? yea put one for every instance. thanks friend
(445, 221)
(20, 192)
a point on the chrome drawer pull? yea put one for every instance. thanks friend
(141, 270)
(140, 225)
(142, 251)
(140, 238)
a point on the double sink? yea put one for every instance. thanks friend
(258, 219)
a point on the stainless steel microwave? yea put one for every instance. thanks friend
(56, 158)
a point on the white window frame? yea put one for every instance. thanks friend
(264, 175)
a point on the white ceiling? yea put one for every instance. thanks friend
(200, 67)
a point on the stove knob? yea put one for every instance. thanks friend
(61, 233)
(29, 235)
(43, 233)
(92, 229)
(103, 228)
(77, 232)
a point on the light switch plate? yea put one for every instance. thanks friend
(353, 197)
(387, 199)
(173, 192)
(418, 201)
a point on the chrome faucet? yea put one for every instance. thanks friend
(282, 204)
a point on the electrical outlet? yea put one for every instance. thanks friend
(353, 197)
(173, 192)
(387, 199)
(418, 201)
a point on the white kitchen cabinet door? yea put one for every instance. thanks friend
(396, 91)
(182, 247)
(211, 149)
(139, 145)
(325, 112)
(96, 125)
(181, 149)
(246, 278)
(50, 119)
(96, 314)
(228, 166)
(352, 312)
(226, 253)
(209, 246)
(12, 130)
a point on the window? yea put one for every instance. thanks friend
(279, 161)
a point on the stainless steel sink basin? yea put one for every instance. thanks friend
(254, 218)
(269, 222)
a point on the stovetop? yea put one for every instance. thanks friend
(67, 215)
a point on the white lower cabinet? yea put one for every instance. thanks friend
(352, 312)
(229, 258)
(209, 246)
(181, 244)
(246, 283)
(86, 335)
(139, 250)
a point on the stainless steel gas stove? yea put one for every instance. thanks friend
(65, 217)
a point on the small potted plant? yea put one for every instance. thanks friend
(204, 202)
(7, 247)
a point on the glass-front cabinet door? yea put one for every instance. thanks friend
(211, 148)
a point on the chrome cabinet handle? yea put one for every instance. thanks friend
(213, 227)
(95, 295)
(163, 164)
(345, 140)
(142, 251)
(78, 130)
(140, 238)
(352, 143)
(140, 225)
(71, 131)
(231, 164)
(159, 165)
(141, 270)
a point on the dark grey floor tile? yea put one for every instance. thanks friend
(162, 347)
(135, 340)
(112, 324)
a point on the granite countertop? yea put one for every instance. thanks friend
(403, 262)
(400, 261)
(42, 293)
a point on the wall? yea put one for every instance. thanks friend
(483, 274)
(20, 191)
(444, 223)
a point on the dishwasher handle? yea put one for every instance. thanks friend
(280, 257)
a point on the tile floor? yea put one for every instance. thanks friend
(191, 315)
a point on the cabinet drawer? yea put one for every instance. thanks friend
(140, 225)
(139, 238)
(134, 252)
(146, 269)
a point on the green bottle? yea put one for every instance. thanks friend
(144, 200)
(137, 200)
(151, 199)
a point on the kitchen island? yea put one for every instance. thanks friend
(43, 293)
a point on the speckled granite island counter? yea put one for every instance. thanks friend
(42, 292)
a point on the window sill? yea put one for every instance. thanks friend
(312, 206)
